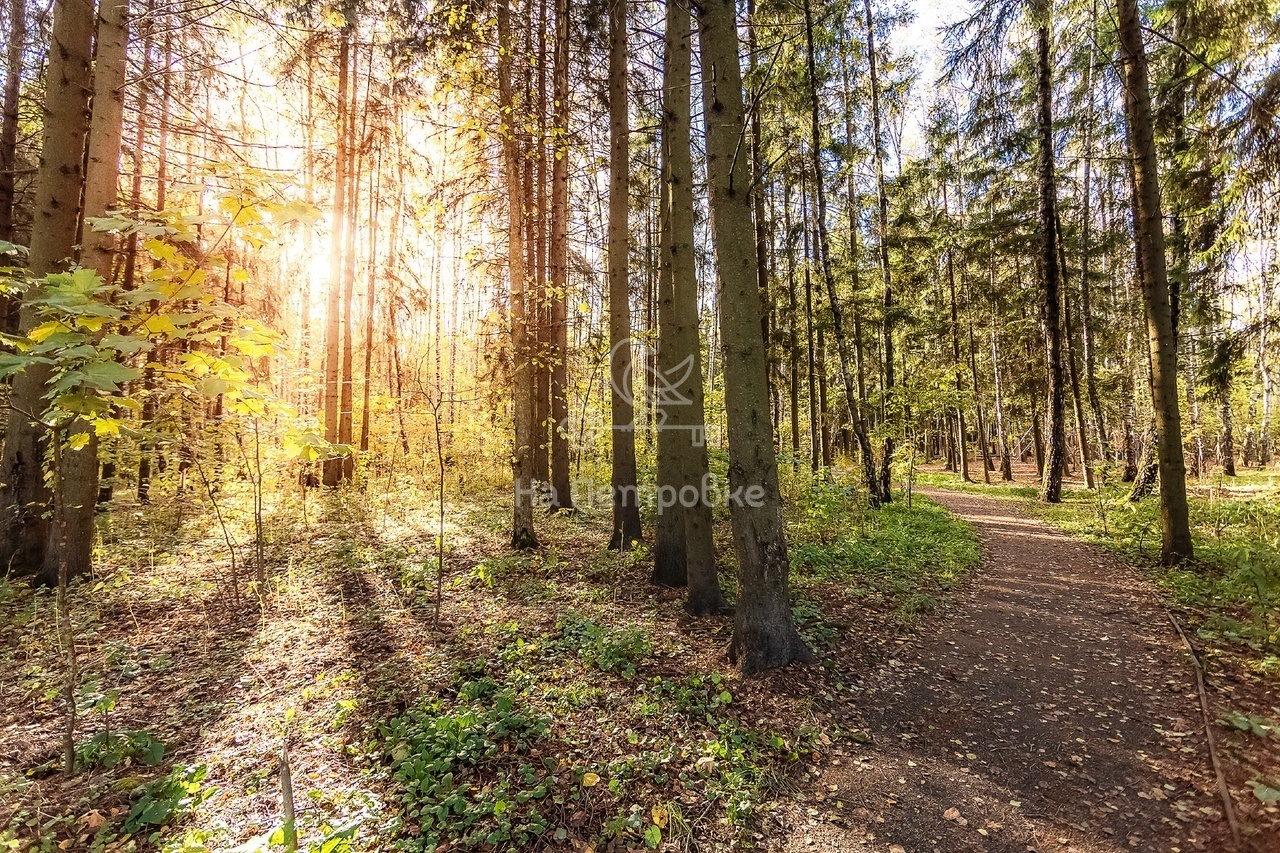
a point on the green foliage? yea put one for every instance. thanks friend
(815, 630)
(607, 649)
(437, 756)
(903, 555)
(97, 337)
(1260, 726)
(112, 749)
(166, 799)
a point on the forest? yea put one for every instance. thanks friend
(442, 425)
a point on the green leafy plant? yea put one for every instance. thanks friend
(469, 774)
(112, 749)
(607, 649)
(168, 798)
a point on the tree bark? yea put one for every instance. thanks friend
(811, 373)
(71, 548)
(793, 326)
(1086, 286)
(370, 306)
(1006, 462)
(764, 634)
(333, 468)
(558, 332)
(1176, 540)
(25, 500)
(626, 498)
(9, 117)
(1051, 272)
(885, 493)
(1073, 370)
(961, 431)
(355, 157)
(685, 536)
(523, 536)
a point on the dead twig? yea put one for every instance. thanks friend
(1223, 789)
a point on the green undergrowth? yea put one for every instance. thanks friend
(1232, 587)
(562, 698)
(575, 735)
(899, 557)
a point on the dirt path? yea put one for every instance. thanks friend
(1053, 709)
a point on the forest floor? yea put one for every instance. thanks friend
(564, 702)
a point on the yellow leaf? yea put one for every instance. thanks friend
(47, 329)
(160, 325)
(660, 815)
(93, 324)
(590, 780)
(160, 250)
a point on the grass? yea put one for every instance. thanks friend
(561, 698)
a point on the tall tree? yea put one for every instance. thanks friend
(1162, 341)
(25, 498)
(335, 468)
(1050, 271)
(886, 275)
(72, 546)
(684, 552)
(9, 116)
(523, 536)
(764, 634)
(558, 333)
(626, 498)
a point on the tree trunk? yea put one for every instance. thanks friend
(757, 199)
(764, 634)
(626, 498)
(811, 374)
(824, 404)
(1073, 371)
(9, 117)
(961, 431)
(1176, 543)
(1037, 438)
(987, 467)
(333, 468)
(25, 499)
(877, 487)
(1226, 437)
(1086, 286)
(558, 332)
(1056, 458)
(346, 413)
(536, 255)
(522, 533)
(685, 539)
(1006, 462)
(72, 547)
(793, 326)
(883, 199)
(370, 305)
